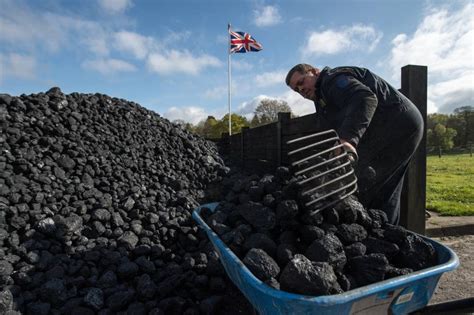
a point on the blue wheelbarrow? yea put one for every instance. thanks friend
(399, 295)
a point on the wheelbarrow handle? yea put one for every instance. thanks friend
(462, 306)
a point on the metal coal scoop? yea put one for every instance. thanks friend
(325, 178)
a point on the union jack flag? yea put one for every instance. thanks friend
(241, 42)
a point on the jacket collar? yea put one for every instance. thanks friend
(319, 102)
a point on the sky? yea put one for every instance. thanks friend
(171, 56)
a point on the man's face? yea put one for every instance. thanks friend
(304, 84)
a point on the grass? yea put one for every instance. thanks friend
(450, 184)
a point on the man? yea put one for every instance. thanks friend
(373, 120)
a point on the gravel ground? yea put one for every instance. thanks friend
(457, 284)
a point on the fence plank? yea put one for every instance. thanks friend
(283, 121)
(301, 125)
(413, 202)
(244, 143)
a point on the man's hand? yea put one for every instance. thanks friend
(349, 148)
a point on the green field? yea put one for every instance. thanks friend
(450, 184)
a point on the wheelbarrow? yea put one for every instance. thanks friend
(400, 295)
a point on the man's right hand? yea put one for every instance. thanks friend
(350, 149)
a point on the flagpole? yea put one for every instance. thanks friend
(229, 82)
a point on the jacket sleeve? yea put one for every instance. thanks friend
(356, 101)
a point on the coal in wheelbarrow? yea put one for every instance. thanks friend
(399, 295)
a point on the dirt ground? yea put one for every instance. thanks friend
(457, 284)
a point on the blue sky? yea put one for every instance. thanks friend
(170, 56)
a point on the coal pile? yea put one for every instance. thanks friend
(264, 221)
(96, 195)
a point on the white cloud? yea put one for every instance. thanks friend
(240, 65)
(22, 27)
(328, 42)
(36, 31)
(175, 37)
(222, 39)
(247, 109)
(43, 32)
(115, 6)
(444, 42)
(299, 105)
(97, 45)
(216, 93)
(108, 66)
(137, 45)
(449, 94)
(176, 61)
(270, 78)
(191, 114)
(18, 66)
(89, 34)
(267, 16)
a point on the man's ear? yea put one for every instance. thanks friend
(314, 71)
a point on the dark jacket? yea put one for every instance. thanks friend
(349, 98)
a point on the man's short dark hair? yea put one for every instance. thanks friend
(301, 68)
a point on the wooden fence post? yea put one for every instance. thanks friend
(243, 133)
(225, 143)
(413, 201)
(283, 118)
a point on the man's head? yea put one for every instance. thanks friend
(302, 79)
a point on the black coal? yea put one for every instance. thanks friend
(96, 195)
(335, 250)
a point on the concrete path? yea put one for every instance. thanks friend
(439, 226)
(459, 283)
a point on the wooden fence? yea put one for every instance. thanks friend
(263, 149)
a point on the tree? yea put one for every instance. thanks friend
(456, 122)
(237, 123)
(183, 124)
(461, 120)
(267, 111)
(465, 117)
(441, 137)
(434, 119)
(199, 128)
(209, 128)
